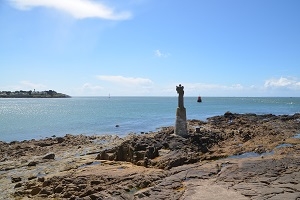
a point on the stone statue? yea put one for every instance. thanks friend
(180, 91)
(180, 124)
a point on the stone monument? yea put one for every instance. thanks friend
(180, 124)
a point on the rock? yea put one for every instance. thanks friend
(96, 196)
(67, 195)
(96, 182)
(31, 177)
(18, 185)
(58, 189)
(168, 159)
(35, 191)
(45, 143)
(45, 191)
(49, 156)
(228, 114)
(41, 179)
(88, 192)
(46, 183)
(60, 139)
(32, 163)
(152, 152)
(16, 179)
(86, 198)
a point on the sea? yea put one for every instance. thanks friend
(25, 118)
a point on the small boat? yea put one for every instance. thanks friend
(199, 99)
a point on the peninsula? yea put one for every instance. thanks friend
(32, 94)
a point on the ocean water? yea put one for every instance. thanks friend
(24, 119)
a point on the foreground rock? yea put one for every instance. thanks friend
(162, 165)
(219, 137)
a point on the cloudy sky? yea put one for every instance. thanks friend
(147, 47)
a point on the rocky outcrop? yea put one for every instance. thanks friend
(16, 149)
(144, 150)
(162, 165)
(219, 137)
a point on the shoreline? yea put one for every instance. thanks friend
(161, 165)
(40, 119)
(154, 130)
(32, 94)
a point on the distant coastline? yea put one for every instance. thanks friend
(32, 94)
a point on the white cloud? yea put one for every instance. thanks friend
(211, 89)
(25, 85)
(31, 86)
(282, 82)
(205, 86)
(88, 86)
(79, 9)
(126, 80)
(159, 54)
(88, 89)
(126, 86)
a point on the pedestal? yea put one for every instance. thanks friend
(180, 124)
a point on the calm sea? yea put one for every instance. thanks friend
(24, 119)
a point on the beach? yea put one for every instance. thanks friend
(230, 156)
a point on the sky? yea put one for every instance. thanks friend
(244, 48)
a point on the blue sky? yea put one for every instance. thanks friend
(147, 47)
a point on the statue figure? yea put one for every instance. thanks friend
(180, 91)
(180, 124)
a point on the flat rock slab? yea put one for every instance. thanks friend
(209, 190)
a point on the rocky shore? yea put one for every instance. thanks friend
(234, 156)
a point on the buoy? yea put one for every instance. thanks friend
(199, 99)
